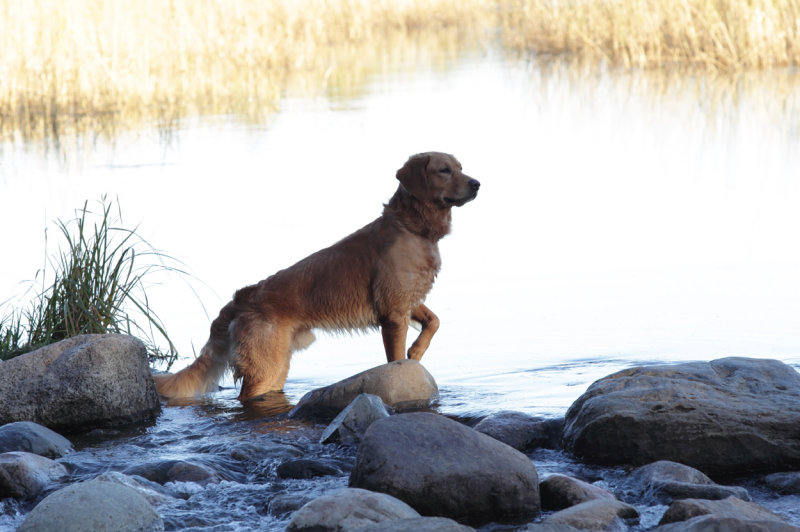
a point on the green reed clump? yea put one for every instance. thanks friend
(99, 282)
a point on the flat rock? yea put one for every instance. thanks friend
(560, 491)
(350, 425)
(33, 438)
(725, 417)
(92, 505)
(597, 514)
(348, 509)
(306, 468)
(85, 382)
(731, 507)
(403, 385)
(25, 475)
(522, 431)
(713, 523)
(668, 481)
(443, 468)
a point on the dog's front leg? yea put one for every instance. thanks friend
(430, 324)
(394, 329)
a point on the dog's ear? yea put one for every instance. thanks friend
(413, 176)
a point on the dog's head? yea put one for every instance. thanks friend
(437, 178)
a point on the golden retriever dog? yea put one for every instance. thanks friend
(378, 276)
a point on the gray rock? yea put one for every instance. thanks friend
(560, 491)
(668, 481)
(418, 524)
(286, 503)
(545, 527)
(348, 509)
(403, 385)
(713, 523)
(25, 475)
(152, 492)
(93, 505)
(306, 468)
(33, 438)
(352, 422)
(784, 483)
(597, 514)
(165, 471)
(443, 468)
(732, 507)
(728, 416)
(79, 384)
(522, 431)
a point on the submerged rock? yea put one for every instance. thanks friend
(668, 481)
(352, 422)
(728, 416)
(81, 383)
(443, 468)
(784, 483)
(560, 491)
(306, 468)
(25, 475)
(403, 385)
(33, 438)
(522, 431)
(348, 509)
(92, 505)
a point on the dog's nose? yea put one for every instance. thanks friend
(474, 185)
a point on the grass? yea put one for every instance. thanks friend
(101, 65)
(96, 284)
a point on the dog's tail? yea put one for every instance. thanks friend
(203, 375)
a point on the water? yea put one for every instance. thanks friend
(622, 220)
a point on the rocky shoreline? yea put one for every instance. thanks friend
(682, 446)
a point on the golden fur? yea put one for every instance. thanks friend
(378, 276)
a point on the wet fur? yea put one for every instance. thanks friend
(378, 276)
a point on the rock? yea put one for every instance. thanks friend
(152, 492)
(784, 483)
(725, 417)
(165, 471)
(732, 507)
(352, 422)
(560, 491)
(443, 468)
(92, 505)
(713, 523)
(78, 384)
(348, 509)
(33, 438)
(418, 524)
(522, 431)
(597, 514)
(668, 481)
(286, 503)
(544, 527)
(403, 385)
(305, 468)
(25, 475)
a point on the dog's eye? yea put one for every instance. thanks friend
(445, 170)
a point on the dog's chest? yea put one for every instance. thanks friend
(414, 262)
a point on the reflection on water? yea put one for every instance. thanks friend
(623, 218)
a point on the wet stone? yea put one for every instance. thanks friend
(306, 468)
(33, 438)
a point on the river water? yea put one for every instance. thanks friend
(622, 220)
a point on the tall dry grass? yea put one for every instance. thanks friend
(103, 64)
(72, 65)
(707, 35)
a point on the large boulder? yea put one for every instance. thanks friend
(33, 438)
(93, 505)
(89, 381)
(560, 491)
(348, 509)
(403, 385)
(728, 416)
(443, 468)
(25, 475)
(522, 431)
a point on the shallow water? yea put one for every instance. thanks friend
(622, 220)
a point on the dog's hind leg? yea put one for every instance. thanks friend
(430, 324)
(263, 355)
